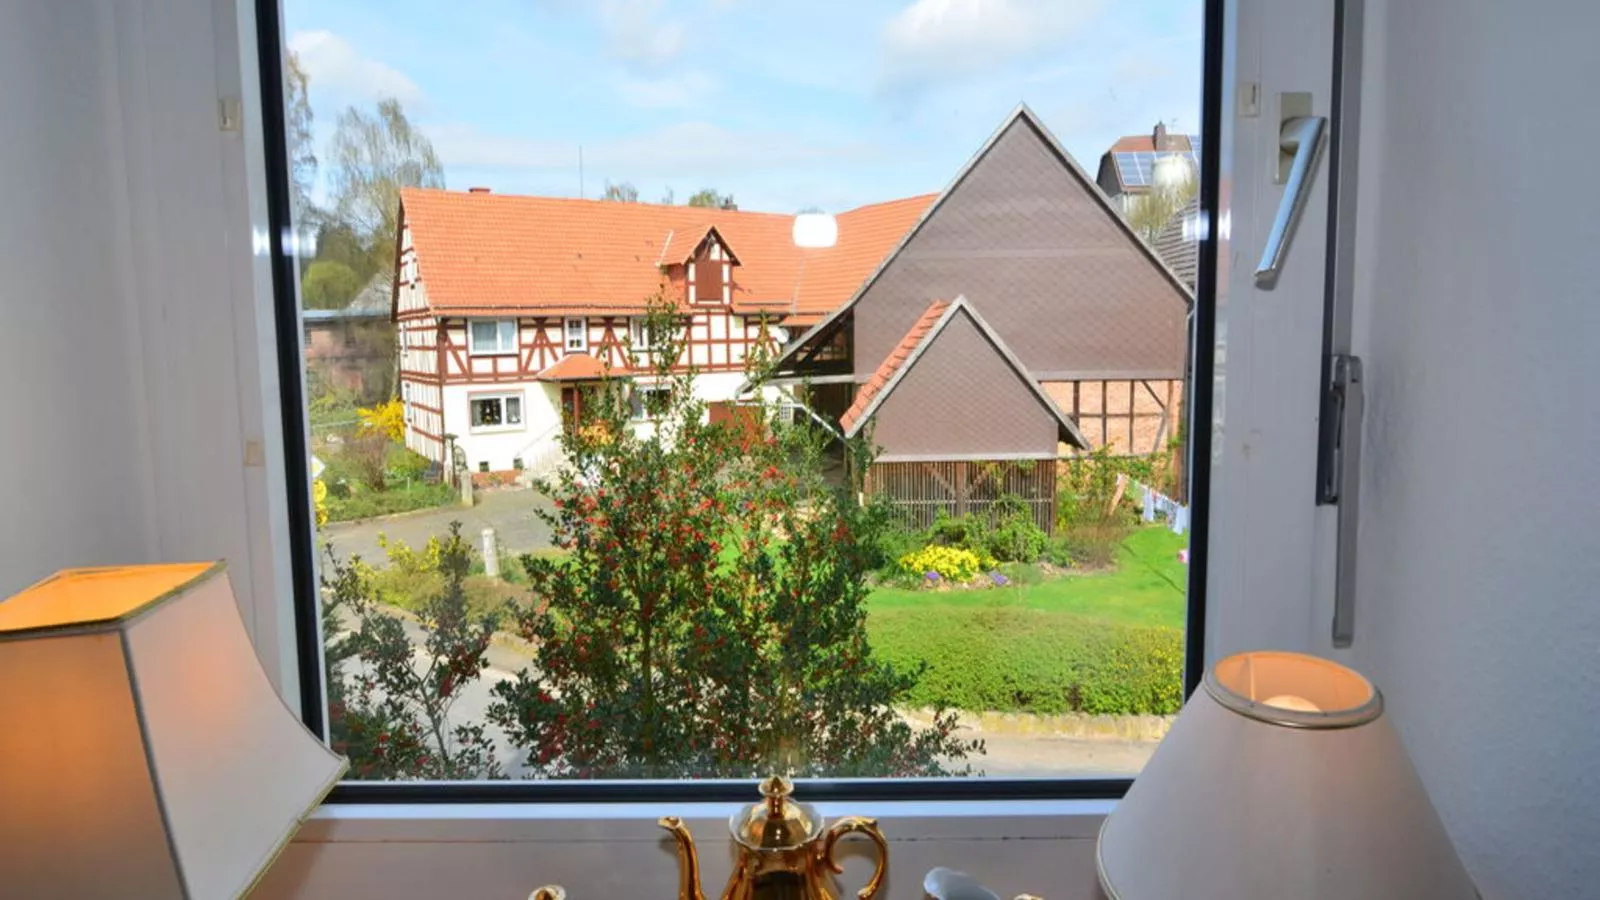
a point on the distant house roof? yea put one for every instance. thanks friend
(484, 253)
(924, 334)
(371, 303)
(1128, 167)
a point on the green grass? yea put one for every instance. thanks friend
(1109, 642)
(1146, 588)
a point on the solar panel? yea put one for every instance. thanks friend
(1137, 168)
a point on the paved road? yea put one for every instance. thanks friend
(508, 512)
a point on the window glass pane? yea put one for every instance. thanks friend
(486, 411)
(993, 485)
(484, 336)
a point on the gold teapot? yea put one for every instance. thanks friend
(784, 853)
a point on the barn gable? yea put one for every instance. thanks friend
(1035, 245)
(952, 369)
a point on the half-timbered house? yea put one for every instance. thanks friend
(1057, 295)
(508, 305)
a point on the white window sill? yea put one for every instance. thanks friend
(491, 352)
(497, 429)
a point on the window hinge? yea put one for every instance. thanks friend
(1339, 480)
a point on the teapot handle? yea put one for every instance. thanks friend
(868, 827)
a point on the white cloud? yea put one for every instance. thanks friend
(637, 34)
(337, 70)
(933, 40)
(670, 92)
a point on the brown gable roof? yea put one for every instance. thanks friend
(891, 365)
(483, 253)
(923, 335)
(1089, 297)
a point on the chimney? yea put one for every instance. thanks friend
(1158, 138)
(477, 190)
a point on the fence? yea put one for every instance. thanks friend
(917, 491)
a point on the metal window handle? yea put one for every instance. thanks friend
(1301, 137)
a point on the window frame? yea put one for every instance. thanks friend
(566, 334)
(308, 637)
(639, 329)
(503, 397)
(472, 342)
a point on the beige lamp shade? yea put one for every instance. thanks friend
(1282, 778)
(143, 752)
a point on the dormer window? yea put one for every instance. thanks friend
(709, 270)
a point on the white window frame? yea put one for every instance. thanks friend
(582, 344)
(503, 397)
(644, 337)
(643, 413)
(1251, 420)
(499, 349)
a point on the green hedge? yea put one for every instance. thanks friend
(366, 504)
(1013, 659)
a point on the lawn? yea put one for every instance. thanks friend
(1109, 642)
(1146, 588)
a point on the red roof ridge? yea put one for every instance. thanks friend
(891, 364)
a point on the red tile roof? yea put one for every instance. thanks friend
(891, 364)
(482, 252)
(574, 367)
(1146, 143)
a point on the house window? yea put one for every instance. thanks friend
(647, 402)
(496, 411)
(645, 338)
(577, 335)
(492, 336)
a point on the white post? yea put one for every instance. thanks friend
(466, 488)
(491, 554)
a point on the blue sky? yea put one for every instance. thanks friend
(784, 103)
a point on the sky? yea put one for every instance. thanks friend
(786, 104)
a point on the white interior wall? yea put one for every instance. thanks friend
(75, 453)
(138, 345)
(1478, 318)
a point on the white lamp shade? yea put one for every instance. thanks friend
(1310, 797)
(143, 752)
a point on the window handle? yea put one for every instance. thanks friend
(1302, 138)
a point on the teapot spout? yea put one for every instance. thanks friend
(688, 860)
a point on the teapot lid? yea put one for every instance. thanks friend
(776, 822)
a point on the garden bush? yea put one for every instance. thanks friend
(1012, 659)
(1015, 536)
(347, 503)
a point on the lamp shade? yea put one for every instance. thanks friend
(143, 752)
(1282, 777)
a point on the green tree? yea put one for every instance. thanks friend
(620, 193)
(328, 285)
(1149, 213)
(709, 618)
(338, 242)
(374, 156)
(709, 198)
(301, 141)
(392, 714)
